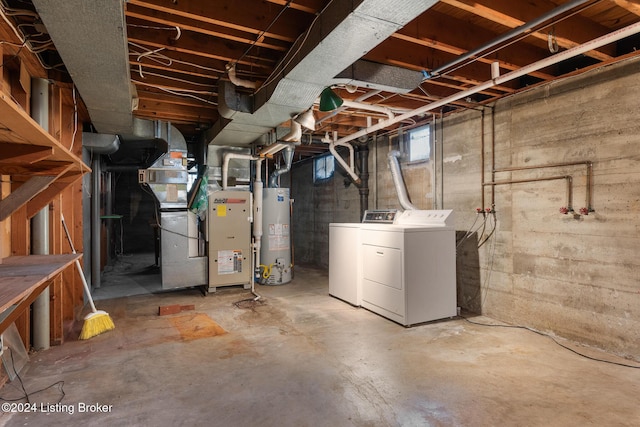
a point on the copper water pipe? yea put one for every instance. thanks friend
(588, 163)
(568, 178)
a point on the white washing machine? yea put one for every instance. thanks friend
(409, 266)
(344, 262)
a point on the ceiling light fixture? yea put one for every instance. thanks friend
(329, 100)
(306, 120)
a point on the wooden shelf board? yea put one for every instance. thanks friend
(17, 127)
(22, 279)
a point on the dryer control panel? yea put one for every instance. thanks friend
(380, 216)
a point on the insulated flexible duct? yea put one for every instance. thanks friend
(397, 181)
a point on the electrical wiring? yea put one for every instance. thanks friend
(495, 223)
(276, 72)
(157, 223)
(174, 78)
(469, 232)
(552, 339)
(27, 395)
(157, 57)
(262, 33)
(75, 118)
(151, 27)
(173, 92)
(489, 270)
(26, 41)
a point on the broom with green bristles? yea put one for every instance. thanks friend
(97, 321)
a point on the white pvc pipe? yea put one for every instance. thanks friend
(338, 157)
(231, 71)
(295, 134)
(225, 164)
(371, 107)
(257, 222)
(538, 65)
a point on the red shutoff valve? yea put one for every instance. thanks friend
(564, 210)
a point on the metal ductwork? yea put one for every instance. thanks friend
(288, 160)
(158, 130)
(91, 40)
(100, 143)
(350, 28)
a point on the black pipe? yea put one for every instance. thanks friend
(362, 155)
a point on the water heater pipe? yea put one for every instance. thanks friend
(257, 209)
(225, 164)
(257, 224)
(288, 158)
(397, 181)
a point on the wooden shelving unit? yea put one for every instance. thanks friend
(23, 278)
(40, 168)
(31, 155)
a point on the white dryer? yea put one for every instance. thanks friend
(409, 266)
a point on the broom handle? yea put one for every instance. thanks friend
(84, 281)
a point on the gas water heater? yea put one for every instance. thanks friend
(275, 253)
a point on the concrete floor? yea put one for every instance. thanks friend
(303, 358)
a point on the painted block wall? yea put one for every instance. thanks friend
(574, 276)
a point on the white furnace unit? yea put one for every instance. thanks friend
(400, 265)
(229, 239)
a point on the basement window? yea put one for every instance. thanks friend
(323, 168)
(419, 144)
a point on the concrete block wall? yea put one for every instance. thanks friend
(315, 206)
(574, 276)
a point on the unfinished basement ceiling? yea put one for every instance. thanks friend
(178, 52)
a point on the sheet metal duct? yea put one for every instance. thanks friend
(91, 39)
(100, 143)
(350, 28)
